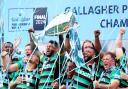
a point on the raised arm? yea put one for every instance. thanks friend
(119, 51)
(97, 40)
(120, 37)
(30, 31)
(67, 45)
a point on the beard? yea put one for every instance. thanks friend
(86, 59)
(50, 54)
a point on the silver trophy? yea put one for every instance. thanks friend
(56, 26)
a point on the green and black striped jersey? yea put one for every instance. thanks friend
(109, 75)
(48, 70)
(98, 70)
(29, 79)
(82, 78)
(7, 76)
(123, 68)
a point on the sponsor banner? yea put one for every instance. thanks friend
(40, 19)
(19, 19)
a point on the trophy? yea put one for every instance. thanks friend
(55, 27)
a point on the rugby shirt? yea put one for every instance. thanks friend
(109, 75)
(48, 70)
(30, 79)
(123, 68)
(82, 78)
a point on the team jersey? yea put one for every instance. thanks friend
(7, 77)
(98, 70)
(29, 79)
(109, 75)
(82, 78)
(123, 69)
(48, 70)
(67, 82)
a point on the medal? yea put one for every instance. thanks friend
(28, 84)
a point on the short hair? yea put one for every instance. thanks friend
(111, 54)
(54, 43)
(29, 44)
(10, 43)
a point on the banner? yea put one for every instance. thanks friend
(19, 19)
(91, 15)
(40, 19)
